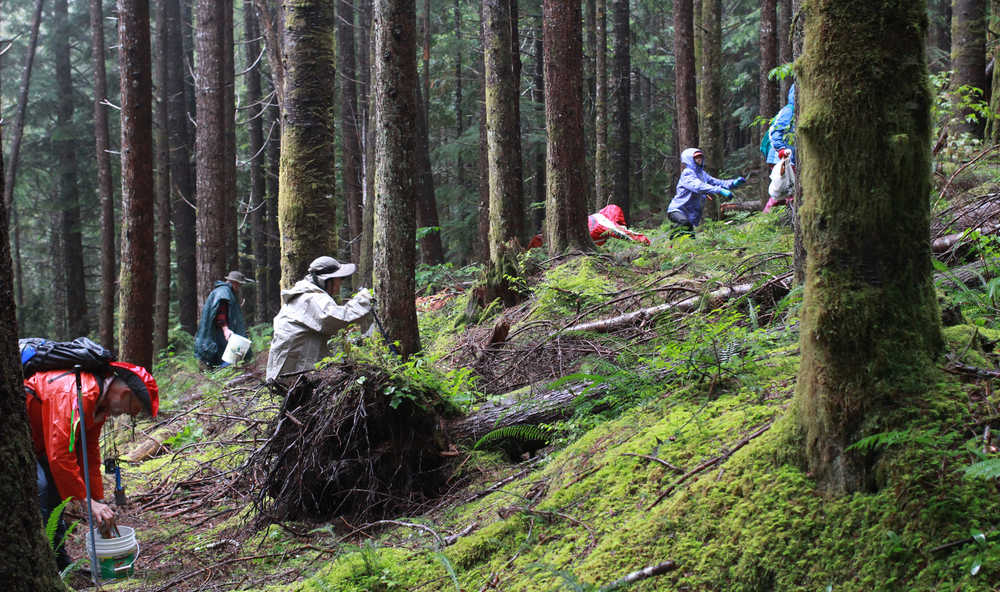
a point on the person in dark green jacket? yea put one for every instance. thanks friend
(220, 318)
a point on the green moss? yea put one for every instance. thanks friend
(971, 343)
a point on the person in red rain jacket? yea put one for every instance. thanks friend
(55, 417)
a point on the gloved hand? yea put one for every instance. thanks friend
(739, 181)
(364, 298)
(784, 153)
(725, 193)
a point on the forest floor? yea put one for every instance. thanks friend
(679, 452)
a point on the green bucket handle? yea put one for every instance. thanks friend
(134, 558)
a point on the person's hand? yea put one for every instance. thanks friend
(739, 181)
(725, 193)
(226, 332)
(784, 153)
(364, 298)
(102, 512)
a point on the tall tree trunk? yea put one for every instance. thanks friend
(992, 127)
(426, 103)
(109, 271)
(459, 113)
(503, 133)
(368, 136)
(14, 157)
(230, 200)
(351, 168)
(28, 566)
(798, 247)
(939, 35)
(768, 88)
(968, 60)
(684, 76)
(784, 43)
(64, 145)
(181, 171)
(273, 275)
(710, 96)
(601, 182)
(565, 201)
(307, 184)
(270, 24)
(621, 142)
(538, 97)
(870, 326)
(211, 145)
(162, 186)
(136, 281)
(394, 92)
(483, 242)
(431, 248)
(258, 156)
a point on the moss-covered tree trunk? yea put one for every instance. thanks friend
(710, 94)
(503, 136)
(258, 157)
(684, 75)
(870, 328)
(968, 60)
(306, 185)
(483, 221)
(565, 198)
(395, 78)
(138, 258)
(349, 125)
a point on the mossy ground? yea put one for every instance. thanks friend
(584, 515)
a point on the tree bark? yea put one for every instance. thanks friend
(710, 95)
(368, 135)
(968, 60)
(162, 185)
(459, 112)
(939, 35)
(394, 91)
(870, 326)
(28, 566)
(768, 59)
(269, 22)
(181, 171)
(211, 144)
(351, 168)
(483, 242)
(64, 146)
(601, 182)
(109, 270)
(684, 75)
(258, 157)
(273, 275)
(138, 259)
(784, 43)
(230, 200)
(621, 143)
(538, 97)
(307, 184)
(565, 201)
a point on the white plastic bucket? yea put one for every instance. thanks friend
(237, 347)
(115, 556)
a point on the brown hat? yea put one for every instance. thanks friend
(239, 278)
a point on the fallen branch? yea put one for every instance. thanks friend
(710, 463)
(656, 459)
(642, 574)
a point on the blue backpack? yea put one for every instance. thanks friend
(40, 355)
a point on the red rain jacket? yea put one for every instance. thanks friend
(610, 222)
(51, 402)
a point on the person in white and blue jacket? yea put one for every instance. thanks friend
(781, 131)
(693, 188)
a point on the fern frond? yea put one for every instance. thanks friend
(987, 469)
(53, 523)
(522, 432)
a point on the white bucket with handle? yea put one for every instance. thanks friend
(237, 347)
(116, 556)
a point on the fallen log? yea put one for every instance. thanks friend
(711, 300)
(970, 274)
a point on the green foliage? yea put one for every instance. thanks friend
(521, 432)
(52, 524)
(432, 278)
(893, 438)
(192, 433)
(569, 288)
(985, 469)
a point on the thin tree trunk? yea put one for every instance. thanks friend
(368, 148)
(784, 42)
(483, 244)
(307, 184)
(968, 60)
(565, 201)
(162, 187)
(15, 150)
(431, 247)
(538, 97)
(601, 182)
(273, 275)
(622, 112)
(64, 145)
(395, 79)
(869, 252)
(211, 146)
(710, 99)
(109, 270)
(138, 258)
(459, 113)
(181, 172)
(426, 103)
(768, 99)
(351, 168)
(258, 156)
(684, 76)
(231, 202)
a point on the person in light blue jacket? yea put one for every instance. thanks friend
(693, 188)
(782, 130)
